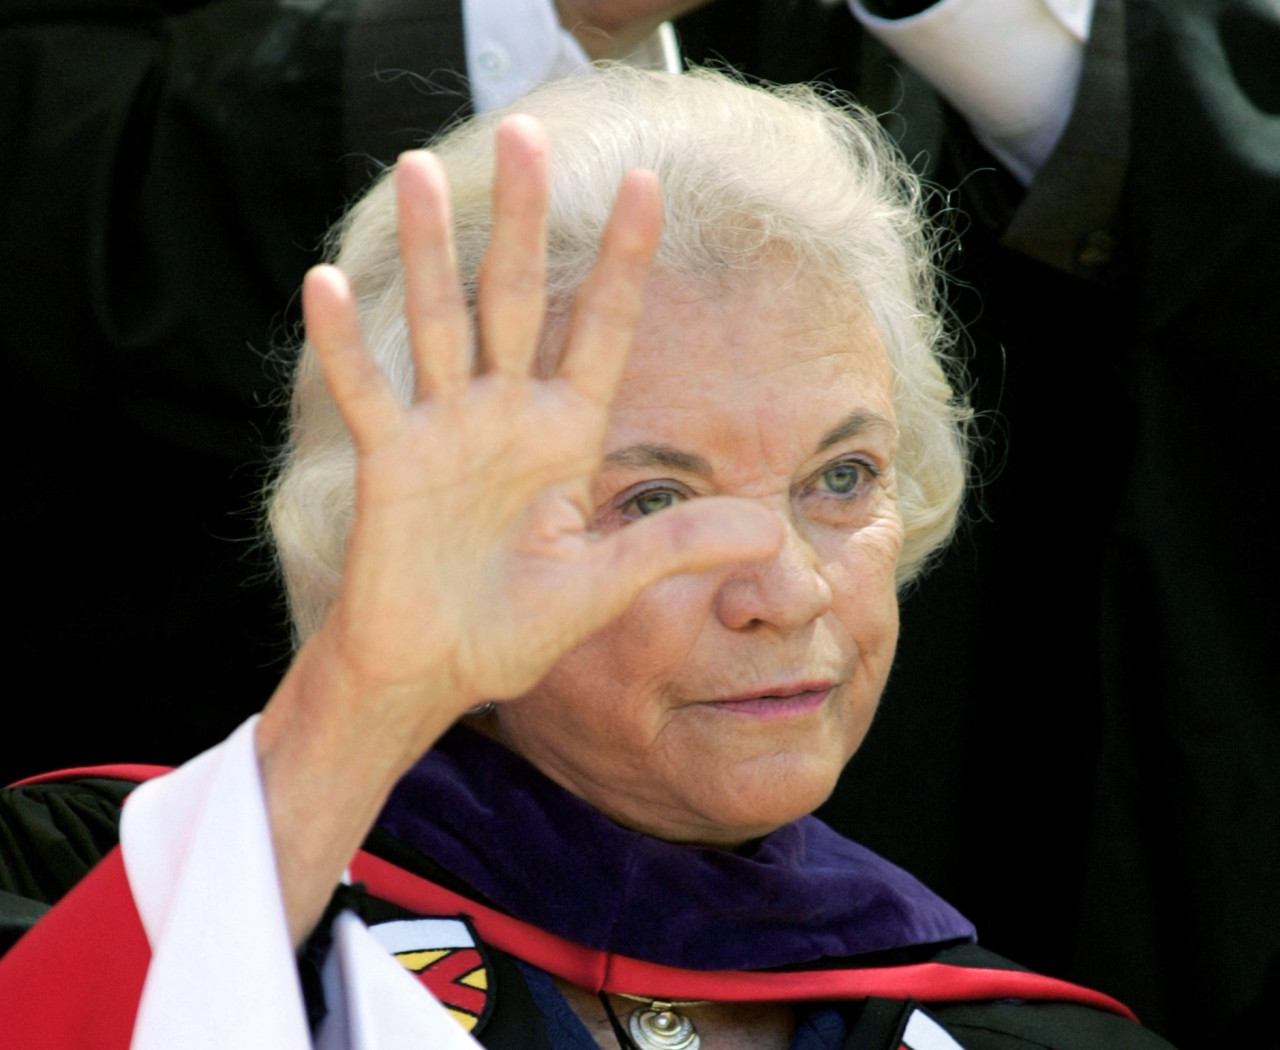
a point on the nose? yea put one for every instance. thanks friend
(786, 591)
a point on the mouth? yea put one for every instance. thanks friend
(790, 701)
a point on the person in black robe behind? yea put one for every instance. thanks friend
(1086, 692)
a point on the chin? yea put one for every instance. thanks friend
(767, 793)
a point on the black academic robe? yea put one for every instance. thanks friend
(168, 171)
(56, 991)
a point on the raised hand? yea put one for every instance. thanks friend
(472, 565)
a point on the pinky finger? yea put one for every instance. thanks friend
(364, 397)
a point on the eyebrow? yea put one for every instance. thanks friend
(649, 456)
(854, 424)
(642, 457)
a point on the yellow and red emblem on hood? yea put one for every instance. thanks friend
(446, 956)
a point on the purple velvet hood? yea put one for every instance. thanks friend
(802, 893)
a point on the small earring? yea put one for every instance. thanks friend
(479, 709)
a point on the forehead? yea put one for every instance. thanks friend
(771, 351)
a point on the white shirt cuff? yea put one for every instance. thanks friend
(1011, 67)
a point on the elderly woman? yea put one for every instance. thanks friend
(593, 518)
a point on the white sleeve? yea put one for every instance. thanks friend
(1011, 67)
(198, 856)
(515, 45)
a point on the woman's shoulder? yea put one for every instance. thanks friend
(1014, 1025)
(53, 830)
(1086, 1020)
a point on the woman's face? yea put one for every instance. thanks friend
(723, 704)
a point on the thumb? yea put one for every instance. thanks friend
(692, 537)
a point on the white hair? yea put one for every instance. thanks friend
(748, 175)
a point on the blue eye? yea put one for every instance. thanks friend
(843, 478)
(650, 502)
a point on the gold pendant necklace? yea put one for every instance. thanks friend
(661, 1026)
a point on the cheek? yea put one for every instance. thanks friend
(641, 654)
(861, 570)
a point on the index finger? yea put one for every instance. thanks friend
(607, 308)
